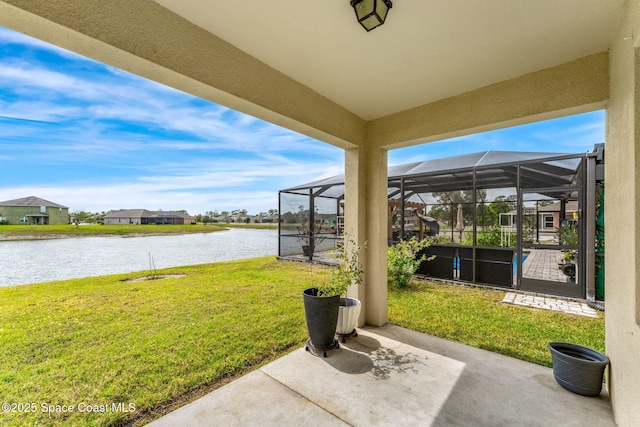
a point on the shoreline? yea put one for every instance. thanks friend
(32, 237)
(97, 232)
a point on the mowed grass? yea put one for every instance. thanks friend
(70, 230)
(152, 343)
(251, 225)
(478, 318)
(158, 344)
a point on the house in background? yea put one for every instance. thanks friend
(33, 210)
(143, 216)
(549, 218)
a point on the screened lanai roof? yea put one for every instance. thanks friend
(492, 169)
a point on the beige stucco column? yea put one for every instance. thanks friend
(622, 220)
(365, 221)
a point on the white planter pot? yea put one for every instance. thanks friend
(348, 314)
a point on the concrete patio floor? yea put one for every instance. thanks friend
(393, 376)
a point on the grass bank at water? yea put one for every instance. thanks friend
(252, 225)
(35, 232)
(12, 232)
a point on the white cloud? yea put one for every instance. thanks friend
(573, 134)
(575, 137)
(37, 111)
(150, 105)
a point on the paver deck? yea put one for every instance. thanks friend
(542, 264)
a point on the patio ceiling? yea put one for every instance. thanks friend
(427, 50)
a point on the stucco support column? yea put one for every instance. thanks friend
(622, 220)
(366, 221)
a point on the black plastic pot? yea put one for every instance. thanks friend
(577, 368)
(322, 317)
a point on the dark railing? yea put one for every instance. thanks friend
(493, 266)
(442, 266)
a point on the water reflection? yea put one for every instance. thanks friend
(24, 262)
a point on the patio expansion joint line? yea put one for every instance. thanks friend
(306, 398)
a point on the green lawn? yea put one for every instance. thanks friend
(71, 230)
(252, 225)
(157, 344)
(478, 318)
(150, 343)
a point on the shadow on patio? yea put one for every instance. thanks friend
(394, 376)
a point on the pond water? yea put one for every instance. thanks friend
(34, 261)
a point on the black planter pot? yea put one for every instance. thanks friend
(309, 248)
(322, 317)
(578, 369)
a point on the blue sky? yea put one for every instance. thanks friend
(95, 138)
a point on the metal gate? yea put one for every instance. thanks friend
(551, 252)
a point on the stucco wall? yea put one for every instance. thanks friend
(622, 221)
(58, 215)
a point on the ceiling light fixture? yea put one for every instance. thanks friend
(371, 13)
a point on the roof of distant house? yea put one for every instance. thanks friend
(31, 201)
(139, 213)
(165, 214)
(571, 206)
(125, 213)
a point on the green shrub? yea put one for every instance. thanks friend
(568, 234)
(442, 239)
(402, 260)
(491, 237)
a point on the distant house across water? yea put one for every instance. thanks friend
(33, 210)
(143, 216)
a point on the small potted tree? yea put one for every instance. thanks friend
(310, 235)
(349, 273)
(322, 304)
(568, 235)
